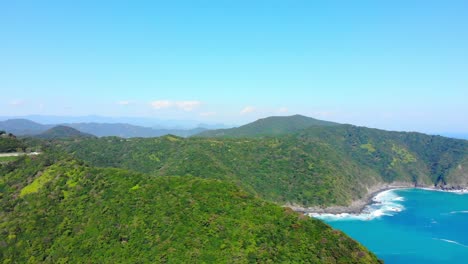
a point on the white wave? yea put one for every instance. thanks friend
(458, 191)
(459, 212)
(451, 241)
(383, 204)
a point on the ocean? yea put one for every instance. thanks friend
(411, 226)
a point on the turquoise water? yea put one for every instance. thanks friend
(412, 226)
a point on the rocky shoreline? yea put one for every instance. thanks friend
(357, 206)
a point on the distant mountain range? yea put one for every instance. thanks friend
(25, 127)
(21, 127)
(137, 121)
(127, 131)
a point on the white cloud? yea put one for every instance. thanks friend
(206, 114)
(283, 110)
(16, 102)
(247, 110)
(182, 105)
(123, 102)
(187, 105)
(161, 104)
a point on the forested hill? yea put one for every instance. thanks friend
(62, 132)
(270, 126)
(320, 165)
(57, 210)
(408, 156)
(9, 143)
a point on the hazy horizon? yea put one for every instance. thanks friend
(161, 123)
(395, 65)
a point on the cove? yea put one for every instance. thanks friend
(411, 226)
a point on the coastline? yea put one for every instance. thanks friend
(358, 206)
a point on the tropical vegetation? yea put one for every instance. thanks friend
(58, 210)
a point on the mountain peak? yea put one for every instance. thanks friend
(269, 126)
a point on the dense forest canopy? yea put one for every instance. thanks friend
(59, 210)
(9, 143)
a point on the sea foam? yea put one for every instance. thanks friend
(451, 241)
(385, 203)
(459, 212)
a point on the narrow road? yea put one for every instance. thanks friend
(15, 154)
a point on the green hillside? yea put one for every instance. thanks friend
(270, 126)
(282, 170)
(331, 165)
(66, 212)
(62, 132)
(398, 156)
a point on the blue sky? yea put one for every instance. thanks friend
(399, 65)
